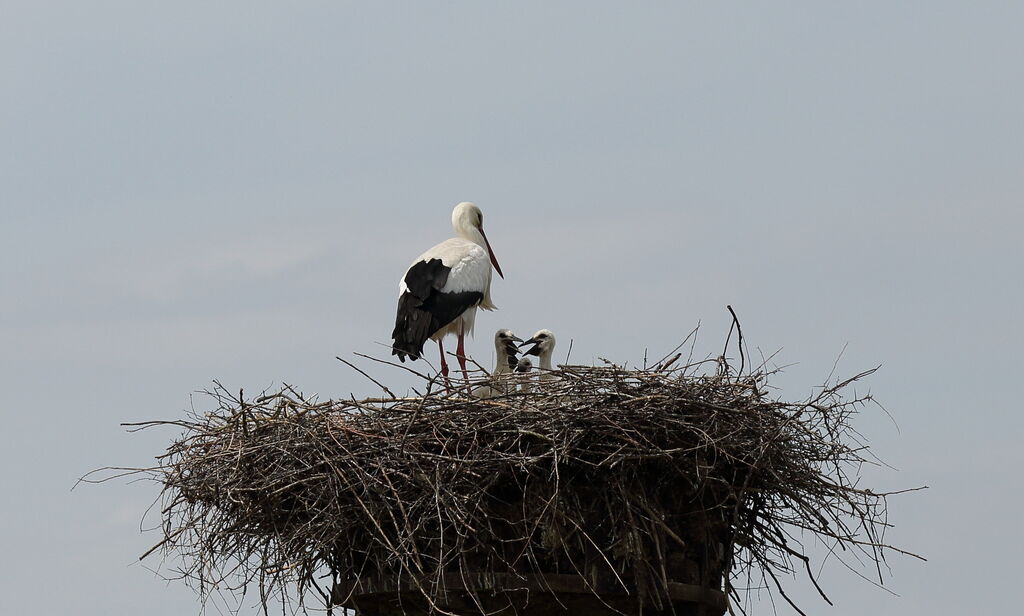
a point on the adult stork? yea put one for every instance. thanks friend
(441, 290)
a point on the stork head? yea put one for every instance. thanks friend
(504, 336)
(543, 343)
(468, 222)
(467, 215)
(505, 343)
(524, 364)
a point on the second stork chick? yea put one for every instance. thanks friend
(543, 347)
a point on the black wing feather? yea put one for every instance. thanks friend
(423, 309)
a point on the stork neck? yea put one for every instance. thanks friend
(545, 360)
(471, 233)
(501, 364)
(505, 355)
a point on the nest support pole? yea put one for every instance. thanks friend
(527, 595)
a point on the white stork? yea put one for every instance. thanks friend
(441, 290)
(524, 365)
(543, 346)
(505, 352)
(522, 373)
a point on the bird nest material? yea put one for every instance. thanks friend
(634, 478)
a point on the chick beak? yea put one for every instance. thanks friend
(511, 348)
(536, 347)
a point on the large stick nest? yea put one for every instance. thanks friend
(634, 478)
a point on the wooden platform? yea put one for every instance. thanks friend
(529, 595)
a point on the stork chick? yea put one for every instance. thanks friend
(523, 368)
(505, 351)
(543, 347)
(524, 364)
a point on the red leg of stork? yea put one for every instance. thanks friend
(460, 352)
(444, 365)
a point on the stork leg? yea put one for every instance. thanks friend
(460, 352)
(444, 364)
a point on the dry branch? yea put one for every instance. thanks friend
(637, 479)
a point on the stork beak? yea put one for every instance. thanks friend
(536, 347)
(490, 253)
(512, 349)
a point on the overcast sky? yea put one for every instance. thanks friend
(197, 191)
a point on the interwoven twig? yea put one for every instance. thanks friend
(628, 477)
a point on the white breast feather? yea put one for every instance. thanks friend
(470, 268)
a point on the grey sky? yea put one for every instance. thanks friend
(192, 192)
